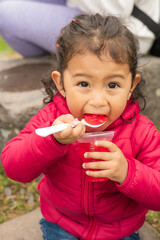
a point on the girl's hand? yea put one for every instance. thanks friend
(114, 165)
(74, 131)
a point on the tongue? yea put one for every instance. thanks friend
(94, 119)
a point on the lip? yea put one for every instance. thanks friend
(95, 114)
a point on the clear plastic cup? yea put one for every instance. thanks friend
(87, 144)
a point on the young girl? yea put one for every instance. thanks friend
(97, 74)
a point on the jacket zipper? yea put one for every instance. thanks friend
(86, 208)
(86, 196)
(92, 228)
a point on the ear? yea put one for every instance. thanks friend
(135, 82)
(56, 76)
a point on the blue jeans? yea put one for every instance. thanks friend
(134, 236)
(53, 231)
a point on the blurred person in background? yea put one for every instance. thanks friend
(31, 27)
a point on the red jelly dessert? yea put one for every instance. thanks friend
(87, 144)
(95, 119)
(90, 147)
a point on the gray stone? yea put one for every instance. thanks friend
(5, 133)
(30, 199)
(150, 66)
(22, 191)
(157, 92)
(7, 191)
(21, 93)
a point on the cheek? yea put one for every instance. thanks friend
(118, 107)
(74, 106)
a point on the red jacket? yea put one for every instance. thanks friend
(97, 211)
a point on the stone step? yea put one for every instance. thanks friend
(21, 92)
(24, 227)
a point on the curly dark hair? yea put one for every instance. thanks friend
(99, 35)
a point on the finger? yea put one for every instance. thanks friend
(79, 130)
(67, 118)
(107, 144)
(70, 133)
(96, 165)
(99, 155)
(98, 174)
(65, 133)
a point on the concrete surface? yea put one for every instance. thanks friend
(25, 227)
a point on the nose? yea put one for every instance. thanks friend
(98, 99)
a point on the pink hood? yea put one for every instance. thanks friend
(96, 211)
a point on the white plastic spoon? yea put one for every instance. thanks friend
(91, 125)
(44, 132)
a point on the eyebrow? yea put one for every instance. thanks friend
(82, 75)
(115, 76)
(107, 77)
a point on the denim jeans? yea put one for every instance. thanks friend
(53, 231)
(134, 236)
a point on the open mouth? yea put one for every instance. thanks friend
(95, 119)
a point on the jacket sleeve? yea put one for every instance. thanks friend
(28, 155)
(143, 180)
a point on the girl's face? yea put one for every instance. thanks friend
(96, 86)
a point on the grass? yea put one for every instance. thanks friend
(6, 52)
(17, 202)
(153, 218)
(4, 46)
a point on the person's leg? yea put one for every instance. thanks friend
(53, 231)
(134, 236)
(59, 2)
(31, 27)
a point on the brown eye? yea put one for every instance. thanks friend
(113, 85)
(83, 84)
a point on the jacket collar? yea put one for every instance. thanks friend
(61, 104)
(129, 114)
